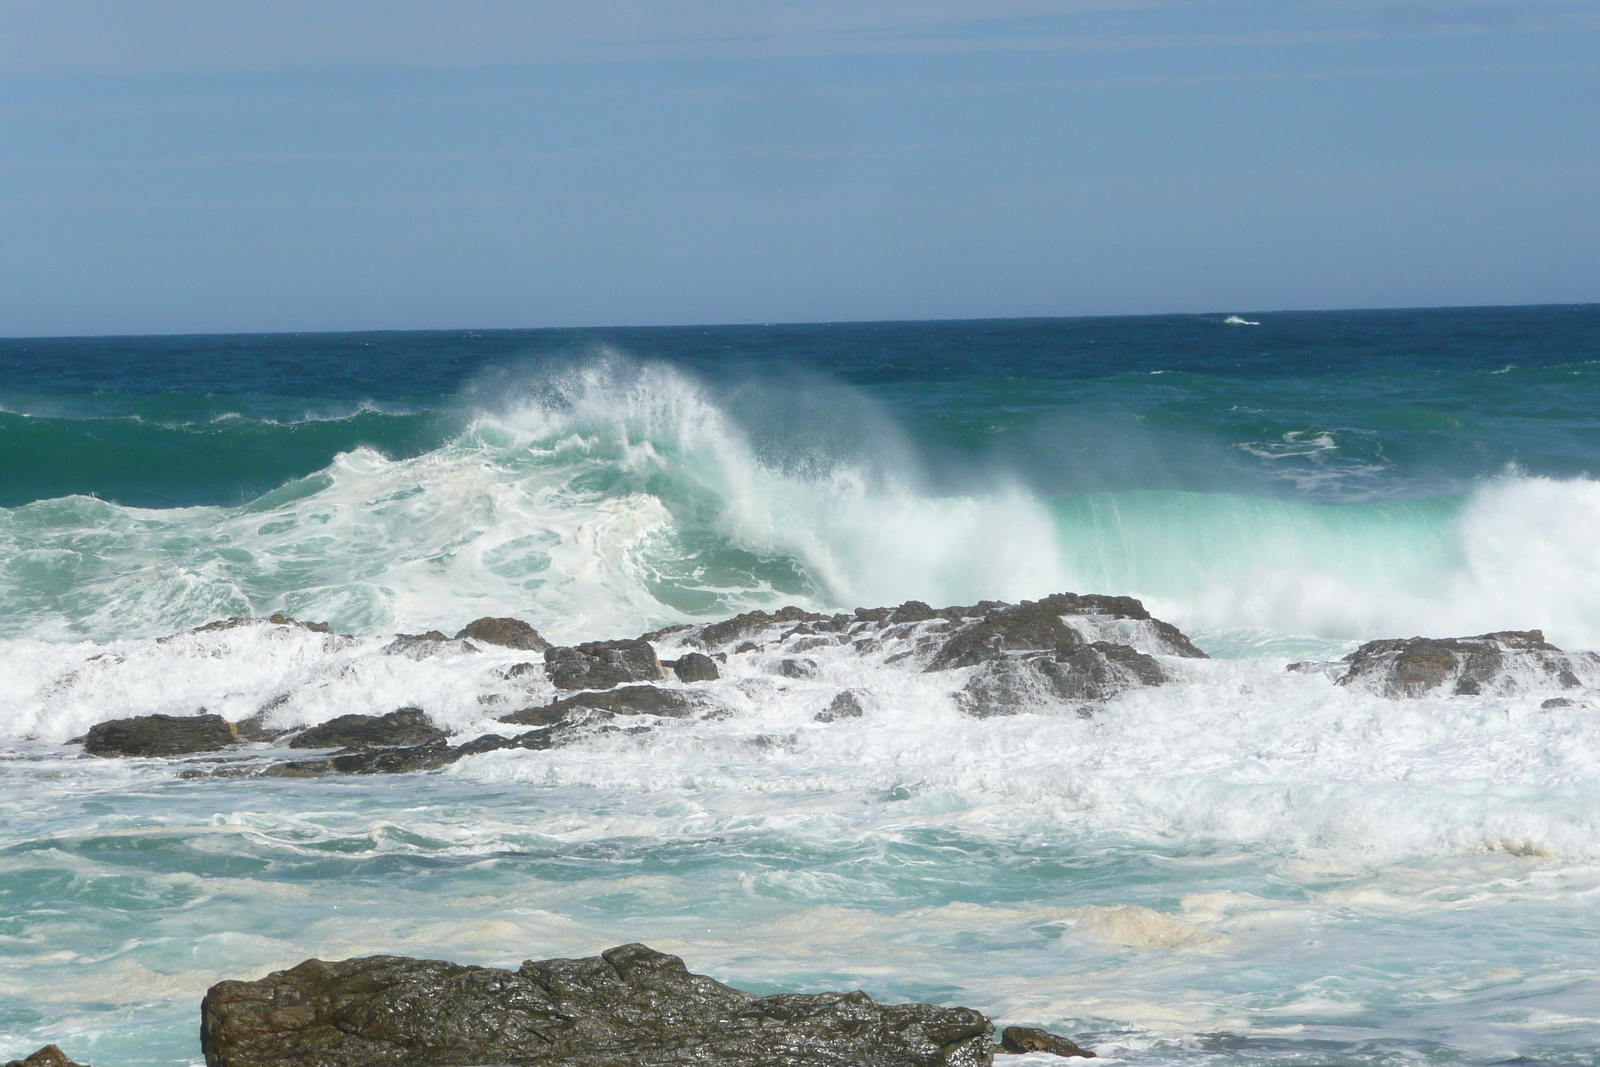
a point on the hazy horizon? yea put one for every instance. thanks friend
(289, 167)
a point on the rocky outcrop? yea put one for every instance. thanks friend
(403, 728)
(1028, 658)
(49, 1056)
(602, 664)
(507, 633)
(1018, 1040)
(160, 735)
(1504, 663)
(425, 757)
(1064, 650)
(628, 1007)
(694, 667)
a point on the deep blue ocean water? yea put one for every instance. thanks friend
(1250, 867)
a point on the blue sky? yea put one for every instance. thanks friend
(192, 167)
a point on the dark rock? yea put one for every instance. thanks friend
(696, 667)
(160, 735)
(1558, 702)
(750, 623)
(517, 670)
(602, 664)
(629, 1007)
(508, 633)
(1498, 663)
(425, 757)
(1020, 1039)
(797, 668)
(846, 705)
(406, 727)
(1080, 676)
(625, 700)
(49, 1056)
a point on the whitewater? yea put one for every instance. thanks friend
(1246, 865)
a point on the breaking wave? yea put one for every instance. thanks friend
(613, 497)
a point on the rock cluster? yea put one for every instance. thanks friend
(1504, 663)
(1064, 650)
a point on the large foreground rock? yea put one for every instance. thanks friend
(1496, 664)
(160, 735)
(628, 1007)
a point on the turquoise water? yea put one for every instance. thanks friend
(1246, 867)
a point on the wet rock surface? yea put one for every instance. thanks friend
(624, 700)
(49, 1056)
(695, 667)
(628, 1006)
(425, 757)
(1503, 663)
(276, 619)
(507, 633)
(1018, 1040)
(602, 664)
(160, 735)
(402, 728)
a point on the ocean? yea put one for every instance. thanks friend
(1245, 866)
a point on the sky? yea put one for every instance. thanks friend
(235, 165)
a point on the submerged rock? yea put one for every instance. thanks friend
(1022, 1039)
(1494, 664)
(1080, 677)
(508, 633)
(602, 664)
(49, 1056)
(160, 735)
(628, 1007)
(846, 705)
(424, 757)
(405, 727)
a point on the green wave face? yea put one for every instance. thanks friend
(227, 459)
